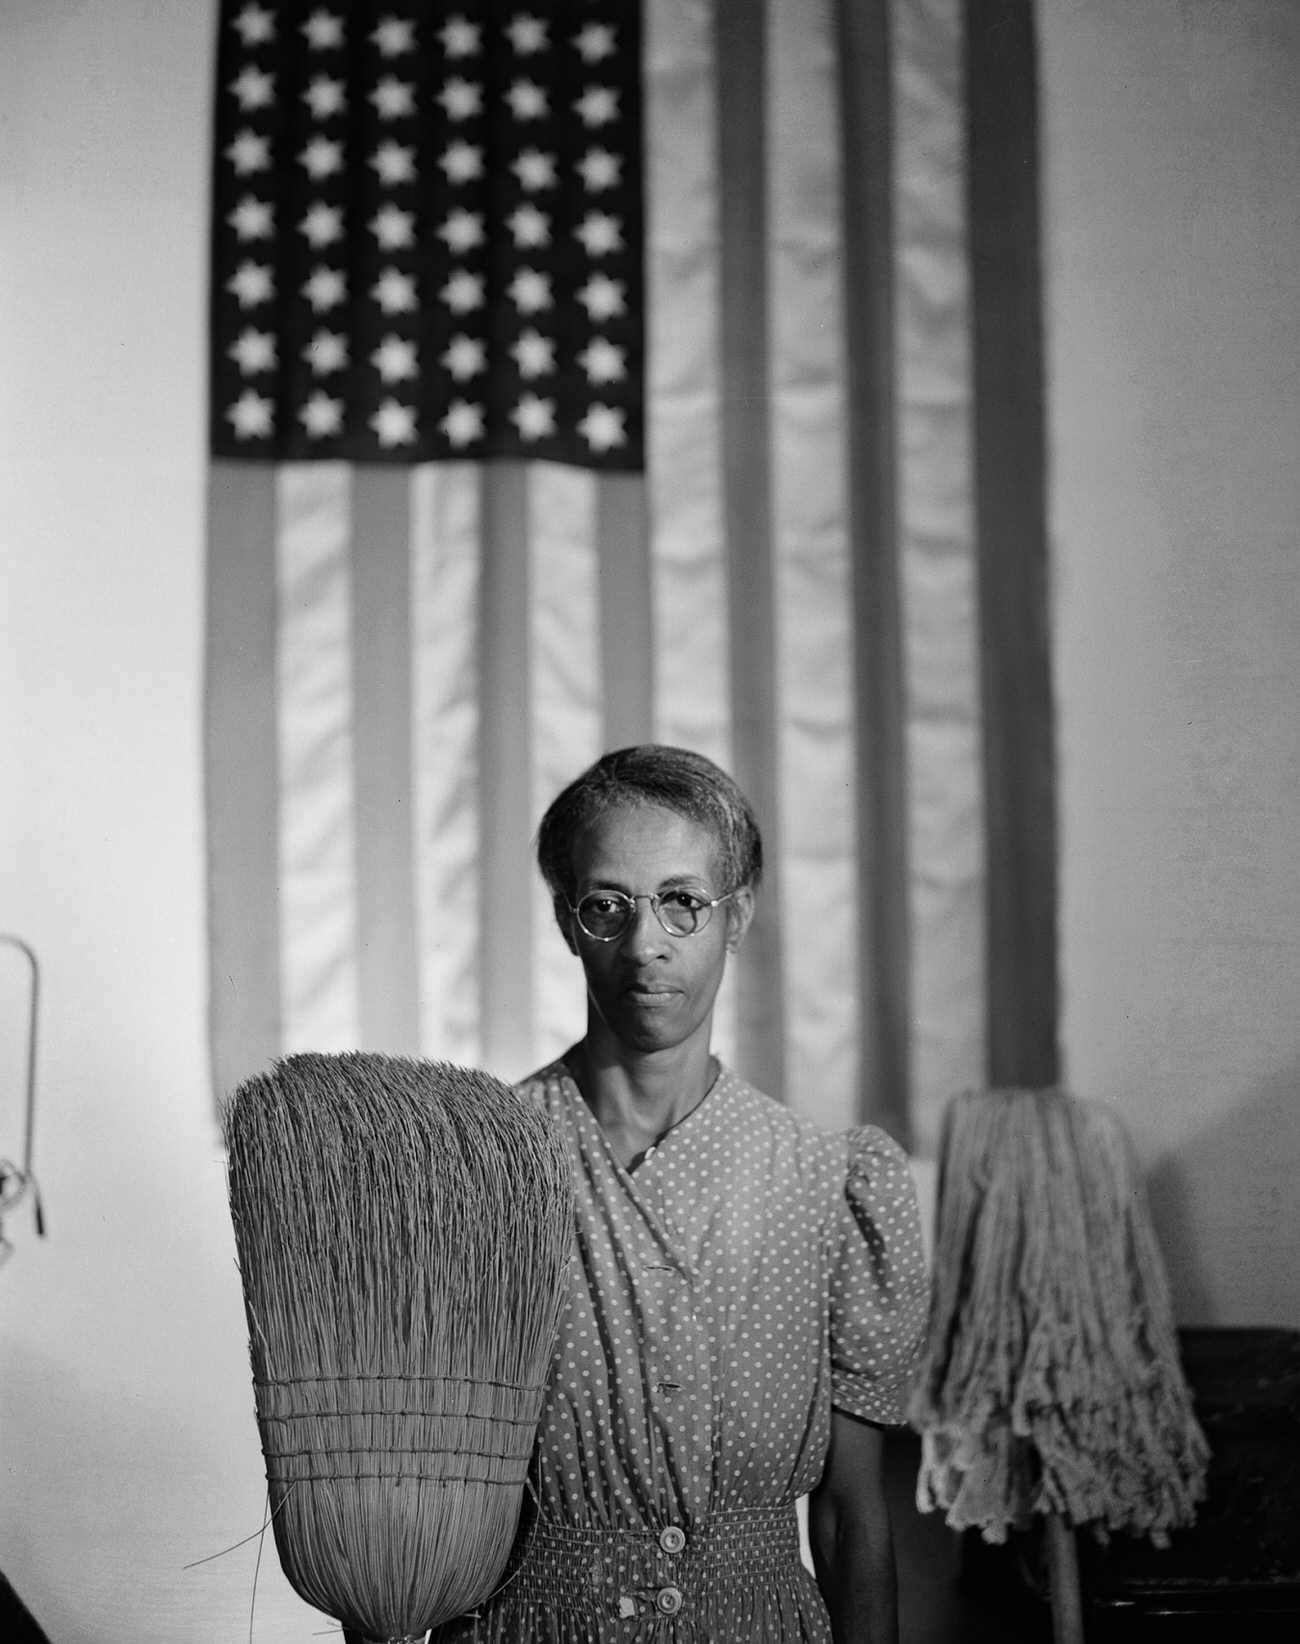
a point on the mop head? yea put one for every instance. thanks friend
(1051, 1381)
(403, 1231)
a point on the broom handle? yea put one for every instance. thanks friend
(1063, 1576)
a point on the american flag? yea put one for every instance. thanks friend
(427, 234)
(589, 372)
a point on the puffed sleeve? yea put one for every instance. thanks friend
(879, 1288)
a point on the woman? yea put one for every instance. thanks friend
(747, 1288)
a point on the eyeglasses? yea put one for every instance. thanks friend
(682, 911)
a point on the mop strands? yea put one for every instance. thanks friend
(403, 1231)
(1051, 1383)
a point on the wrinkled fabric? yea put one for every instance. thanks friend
(752, 1272)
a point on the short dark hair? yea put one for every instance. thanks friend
(652, 774)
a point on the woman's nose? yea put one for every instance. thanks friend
(645, 934)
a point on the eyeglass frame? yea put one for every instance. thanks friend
(654, 898)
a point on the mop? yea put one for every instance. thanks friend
(1050, 1386)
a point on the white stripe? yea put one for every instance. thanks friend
(565, 699)
(938, 566)
(814, 596)
(317, 858)
(444, 728)
(683, 395)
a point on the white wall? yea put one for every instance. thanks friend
(127, 1446)
(1173, 152)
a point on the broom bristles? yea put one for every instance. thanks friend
(403, 1230)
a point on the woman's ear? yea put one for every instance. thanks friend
(564, 919)
(740, 911)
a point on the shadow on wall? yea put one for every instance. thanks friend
(1228, 1216)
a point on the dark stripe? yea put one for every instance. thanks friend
(862, 33)
(1011, 522)
(387, 963)
(739, 46)
(241, 773)
(626, 614)
(505, 766)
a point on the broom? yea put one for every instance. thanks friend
(1050, 1385)
(403, 1231)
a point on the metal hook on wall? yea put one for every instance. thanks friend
(15, 1180)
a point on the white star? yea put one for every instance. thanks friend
(394, 36)
(250, 151)
(254, 88)
(326, 352)
(322, 415)
(325, 97)
(600, 233)
(465, 357)
(394, 423)
(394, 291)
(460, 37)
(251, 284)
(527, 100)
(463, 230)
(252, 415)
(527, 34)
(322, 157)
(393, 228)
(599, 169)
(323, 223)
(394, 359)
(602, 298)
(462, 99)
(326, 288)
(253, 219)
(324, 31)
(253, 351)
(463, 423)
(534, 169)
(531, 291)
(534, 354)
(394, 163)
(598, 105)
(529, 225)
(462, 162)
(534, 417)
(595, 42)
(602, 361)
(463, 291)
(394, 99)
(602, 427)
(255, 25)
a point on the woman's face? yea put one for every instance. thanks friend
(648, 989)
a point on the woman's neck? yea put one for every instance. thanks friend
(637, 1100)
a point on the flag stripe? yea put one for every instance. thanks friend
(242, 774)
(863, 37)
(565, 695)
(388, 975)
(505, 770)
(813, 710)
(625, 629)
(938, 565)
(317, 796)
(445, 507)
(1011, 493)
(740, 63)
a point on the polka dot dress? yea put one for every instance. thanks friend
(753, 1271)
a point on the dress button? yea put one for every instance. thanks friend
(672, 1539)
(669, 1600)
